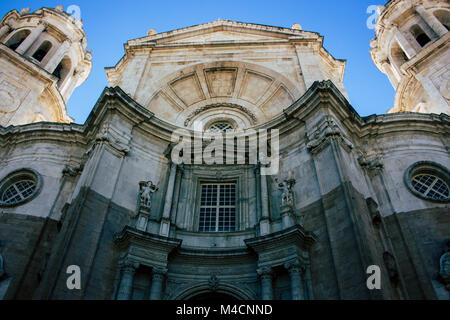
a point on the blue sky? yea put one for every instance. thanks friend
(109, 24)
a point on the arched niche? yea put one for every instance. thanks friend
(17, 38)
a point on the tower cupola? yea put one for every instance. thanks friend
(43, 58)
(412, 48)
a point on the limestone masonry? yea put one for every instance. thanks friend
(108, 196)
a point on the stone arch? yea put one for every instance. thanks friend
(255, 88)
(223, 288)
(421, 37)
(16, 39)
(443, 16)
(397, 55)
(42, 51)
(62, 70)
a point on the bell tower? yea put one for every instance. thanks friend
(412, 48)
(43, 58)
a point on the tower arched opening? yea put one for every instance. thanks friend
(62, 70)
(421, 37)
(16, 40)
(444, 17)
(42, 51)
(398, 56)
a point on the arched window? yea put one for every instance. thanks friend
(444, 17)
(62, 70)
(220, 126)
(420, 36)
(42, 51)
(16, 40)
(398, 55)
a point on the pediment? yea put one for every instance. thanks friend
(225, 31)
(221, 36)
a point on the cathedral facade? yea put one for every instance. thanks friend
(142, 203)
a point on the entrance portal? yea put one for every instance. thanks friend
(212, 296)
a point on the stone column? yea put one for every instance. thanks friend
(432, 21)
(126, 282)
(157, 283)
(32, 37)
(308, 281)
(295, 273)
(4, 30)
(57, 57)
(403, 42)
(264, 224)
(66, 88)
(266, 276)
(165, 221)
(387, 68)
(176, 193)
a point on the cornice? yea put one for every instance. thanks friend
(225, 23)
(320, 94)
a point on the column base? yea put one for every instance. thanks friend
(165, 227)
(142, 219)
(287, 216)
(264, 227)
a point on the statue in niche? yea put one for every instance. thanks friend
(389, 262)
(146, 188)
(2, 268)
(444, 267)
(287, 197)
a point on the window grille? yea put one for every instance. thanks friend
(218, 207)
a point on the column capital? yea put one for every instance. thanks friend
(129, 266)
(6, 26)
(5, 29)
(294, 266)
(159, 272)
(265, 272)
(43, 25)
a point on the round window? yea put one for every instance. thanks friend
(19, 187)
(428, 180)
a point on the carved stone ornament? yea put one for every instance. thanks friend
(391, 266)
(216, 105)
(265, 272)
(2, 268)
(72, 171)
(146, 189)
(371, 162)
(444, 268)
(287, 197)
(213, 283)
(326, 130)
(295, 266)
(374, 212)
(106, 137)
